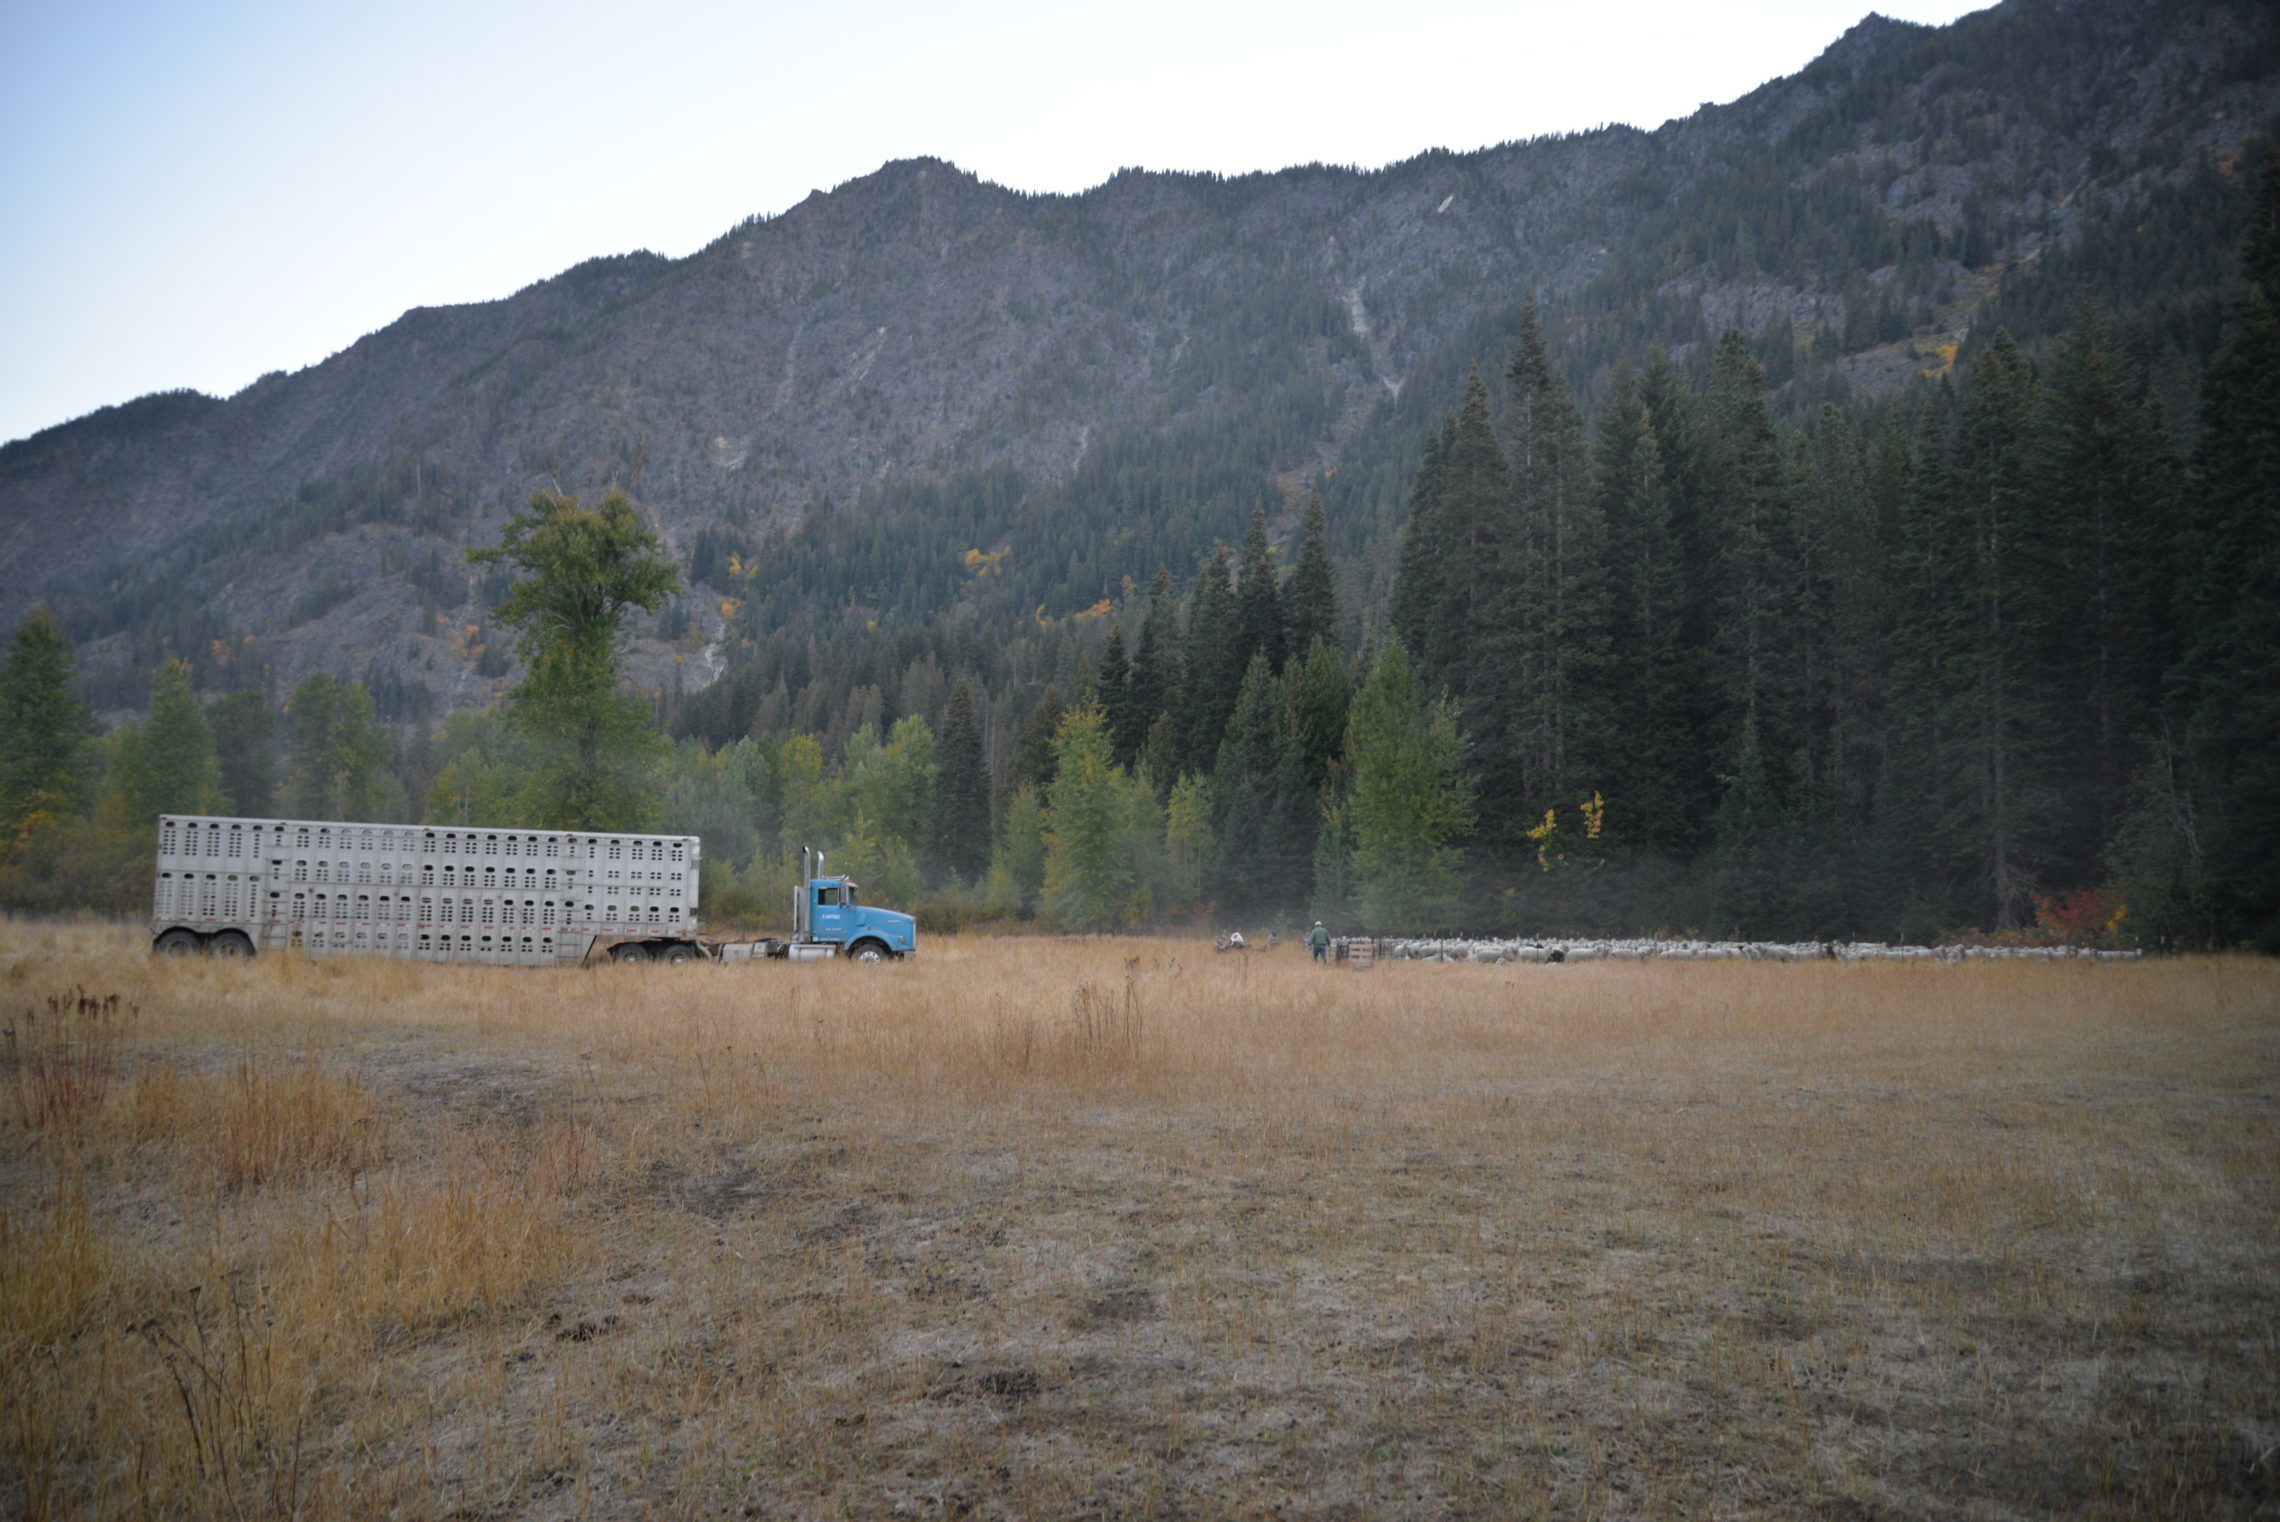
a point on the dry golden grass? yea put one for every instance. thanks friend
(1046, 1228)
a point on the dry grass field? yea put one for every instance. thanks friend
(1122, 1228)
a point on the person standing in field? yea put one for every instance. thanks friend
(1318, 940)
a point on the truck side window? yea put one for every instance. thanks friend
(827, 896)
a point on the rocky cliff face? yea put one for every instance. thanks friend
(919, 323)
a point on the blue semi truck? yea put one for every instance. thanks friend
(441, 893)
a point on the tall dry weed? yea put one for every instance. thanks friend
(62, 1061)
(414, 1254)
(239, 1378)
(54, 1274)
(268, 1123)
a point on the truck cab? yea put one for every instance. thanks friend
(829, 916)
(837, 916)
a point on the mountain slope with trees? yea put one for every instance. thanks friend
(838, 411)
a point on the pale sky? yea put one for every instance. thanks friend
(198, 193)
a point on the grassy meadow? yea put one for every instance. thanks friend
(1058, 1228)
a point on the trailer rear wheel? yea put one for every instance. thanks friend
(231, 943)
(178, 943)
(679, 952)
(630, 952)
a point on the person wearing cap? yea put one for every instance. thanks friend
(1319, 940)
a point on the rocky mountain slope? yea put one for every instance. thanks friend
(920, 364)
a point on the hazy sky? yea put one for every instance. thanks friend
(198, 193)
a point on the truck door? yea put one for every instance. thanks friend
(827, 915)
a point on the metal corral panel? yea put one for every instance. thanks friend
(443, 893)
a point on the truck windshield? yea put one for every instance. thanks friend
(851, 895)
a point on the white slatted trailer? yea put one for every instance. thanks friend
(437, 893)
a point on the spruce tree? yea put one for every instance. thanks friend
(245, 747)
(1115, 685)
(1653, 748)
(1252, 866)
(1310, 597)
(166, 764)
(1560, 726)
(1320, 695)
(1258, 599)
(1033, 756)
(1418, 567)
(1467, 636)
(962, 796)
(2229, 675)
(43, 730)
(337, 751)
(2000, 752)
(2108, 493)
(1753, 594)
(1410, 804)
(1151, 686)
(1674, 413)
(1916, 821)
(1212, 676)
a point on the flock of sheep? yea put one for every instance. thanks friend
(1402, 950)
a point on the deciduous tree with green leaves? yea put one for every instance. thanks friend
(580, 572)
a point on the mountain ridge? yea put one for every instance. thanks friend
(1172, 348)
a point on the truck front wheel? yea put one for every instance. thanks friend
(869, 953)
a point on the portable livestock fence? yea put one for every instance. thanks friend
(430, 892)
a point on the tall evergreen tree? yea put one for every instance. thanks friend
(1258, 599)
(1151, 686)
(1999, 754)
(1260, 857)
(43, 730)
(1320, 695)
(1673, 414)
(165, 765)
(962, 793)
(1930, 577)
(1115, 684)
(1033, 754)
(245, 747)
(1411, 802)
(338, 753)
(1417, 569)
(1653, 749)
(1750, 674)
(1562, 717)
(1211, 674)
(2229, 677)
(1467, 647)
(1310, 597)
(2109, 493)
